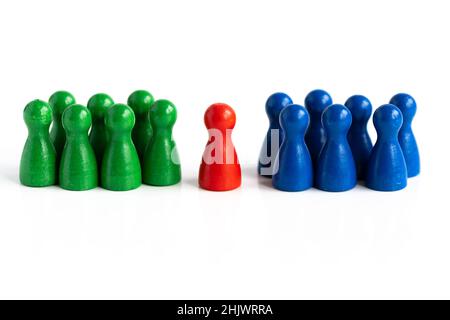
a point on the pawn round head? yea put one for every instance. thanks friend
(406, 104)
(360, 107)
(140, 101)
(76, 118)
(37, 113)
(163, 114)
(59, 101)
(275, 103)
(317, 101)
(294, 119)
(387, 119)
(119, 118)
(98, 104)
(337, 118)
(220, 116)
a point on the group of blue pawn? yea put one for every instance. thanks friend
(327, 146)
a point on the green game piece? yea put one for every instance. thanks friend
(161, 161)
(121, 169)
(59, 101)
(78, 169)
(141, 101)
(98, 105)
(38, 162)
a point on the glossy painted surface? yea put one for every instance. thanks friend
(406, 138)
(59, 101)
(38, 162)
(293, 169)
(161, 160)
(316, 102)
(78, 169)
(225, 173)
(269, 150)
(336, 169)
(141, 101)
(121, 169)
(98, 104)
(387, 170)
(358, 137)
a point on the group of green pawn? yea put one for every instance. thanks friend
(112, 145)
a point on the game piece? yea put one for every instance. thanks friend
(59, 101)
(293, 166)
(358, 137)
(98, 104)
(386, 170)
(78, 169)
(161, 160)
(220, 169)
(121, 170)
(141, 101)
(38, 162)
(408, 107)
(274, 136)
(316, 102)
(336, 169)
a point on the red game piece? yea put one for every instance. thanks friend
(220, 169)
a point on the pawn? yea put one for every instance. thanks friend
(293, 166)
(59, 101)
(220, 169)
(141, 101)
(161, 160)
(316, 102)
(336, 169)
(78, 169)
(98, 105)
(38, 162)
(386, 170)
(408, 107)
(120, 170)
(274, 137)
(358, 137)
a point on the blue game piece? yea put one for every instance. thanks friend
(316, 102)
(386, 170)
(336, 169)
(275, 103)
(293, 165)
(406, 138)
(358, 137)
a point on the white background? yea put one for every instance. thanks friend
(255, 242)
